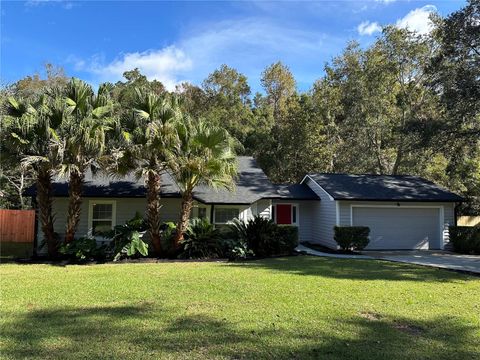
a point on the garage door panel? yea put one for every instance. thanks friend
(399, 228)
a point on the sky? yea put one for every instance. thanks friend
(185, 41)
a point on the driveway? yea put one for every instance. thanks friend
(440, 259)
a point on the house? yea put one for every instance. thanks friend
(403, 212)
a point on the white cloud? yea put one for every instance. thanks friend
(67, 5)
(418, 20)
(165, 65)
(385, 1)
(368, 28)
(249, 45)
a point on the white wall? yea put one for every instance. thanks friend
(323, 216)
(127, 207)
(125, 210)
(305, 209)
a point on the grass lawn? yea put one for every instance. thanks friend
(299, 307)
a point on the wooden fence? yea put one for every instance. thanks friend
(17, 233)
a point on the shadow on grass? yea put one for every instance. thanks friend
(147, 331)
(354, 269)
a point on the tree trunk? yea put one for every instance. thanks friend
(153, 210)
(187, 204)
(75, 188)
(45, 205)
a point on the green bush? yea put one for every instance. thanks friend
(167, 232)
(201, 241)
(352, 237)
(83, 249)
(465, 239)
(287, 237)
(259, 235)
(127, 240)
(264, 238)
(235, 249)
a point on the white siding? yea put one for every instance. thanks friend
(304, 217)
(263, 208)
(125, 210)
(448, 212)
(323, 216)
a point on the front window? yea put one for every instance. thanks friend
(225, 215)
(102, 216)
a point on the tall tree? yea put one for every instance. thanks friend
(34, 85)
(30, 133)
(378, 100)
(148, 138)
(297, 145)
(279, 84)
(455, 72)
(83, 136)
(204, 156)
(227, 101)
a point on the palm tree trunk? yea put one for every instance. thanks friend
(153, 210)
(75, 188)
(45, 206)
(187, 204)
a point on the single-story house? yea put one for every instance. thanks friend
(403, 212)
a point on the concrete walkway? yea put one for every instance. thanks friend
(438, 259)
(306, 250)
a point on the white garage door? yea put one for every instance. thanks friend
(399, 228)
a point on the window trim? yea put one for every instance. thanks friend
(225, 207)
(275, 212)
(91, 203)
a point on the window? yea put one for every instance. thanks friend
(101, 216)
(225, 215)
(285, 214)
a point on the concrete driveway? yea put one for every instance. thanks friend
(439, 259)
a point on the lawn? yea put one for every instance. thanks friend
(298, 307)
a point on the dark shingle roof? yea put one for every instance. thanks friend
(296, 192)
(100, 185)
(251, 185)
(382, 187)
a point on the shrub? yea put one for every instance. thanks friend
(127, 240)
(352, 237)
(259, 235)
(167, 233)
(235, 249)
(465, 239)
(287, 237)
(201, 241)
(83, 249)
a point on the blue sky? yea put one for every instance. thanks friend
(185, 41)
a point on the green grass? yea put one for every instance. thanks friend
(299, 307)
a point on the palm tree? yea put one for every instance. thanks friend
(204, 156)
(30, 133)
(148, 136)
(84, 141)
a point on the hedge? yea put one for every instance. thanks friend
(352, 237)
(465, 239)
(287, 237)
